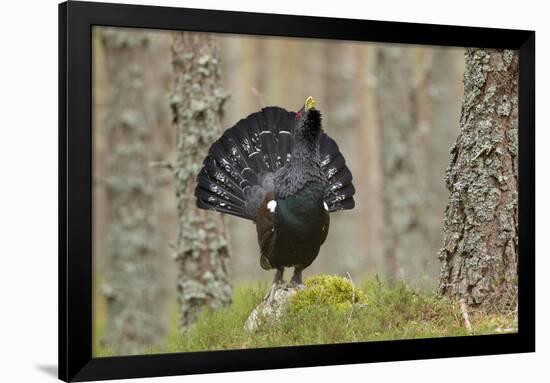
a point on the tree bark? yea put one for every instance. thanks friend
(135, 303)
(368, 151)
(340, 120)
(445, 95)
(404, 183)
(479, 257)
(242, 65)
(202, 250)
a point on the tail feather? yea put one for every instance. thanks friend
(284, 125)
(217, 190)
(339, 193)
(340, 190)
(347, 204)
(228, 149)
(240, 164)
(269, 146)
(266, 127)
(247, 144)
(220, 175)
(207, 200)
(224, 192)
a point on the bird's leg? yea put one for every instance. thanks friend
(277, 280)
(278, 276)
(297, 277)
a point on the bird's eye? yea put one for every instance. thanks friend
(298, 115)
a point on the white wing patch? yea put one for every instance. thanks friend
(271, 205)
(325, 205)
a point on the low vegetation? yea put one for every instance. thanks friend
(327, 291)
(329, 310)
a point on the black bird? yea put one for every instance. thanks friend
(280, 170)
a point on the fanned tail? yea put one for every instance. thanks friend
(340, 189)
(237, 171)
(239, 167)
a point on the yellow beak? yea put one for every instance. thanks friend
(310, 103)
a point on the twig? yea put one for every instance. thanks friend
(162, 164)
(464, 311)
(352, 299)
(457, 319)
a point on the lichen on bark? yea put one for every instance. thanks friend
(135, 299)
(479, 254)
(201, 249)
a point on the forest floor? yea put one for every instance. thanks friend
(389, 312)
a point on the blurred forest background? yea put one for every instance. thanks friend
(394, 111)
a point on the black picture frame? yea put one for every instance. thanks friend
(75, 190)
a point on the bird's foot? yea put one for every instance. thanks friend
(271, 293)
(278, 280)
(296, 279)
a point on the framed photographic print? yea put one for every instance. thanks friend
(253, 191)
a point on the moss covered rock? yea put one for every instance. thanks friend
(327, 290)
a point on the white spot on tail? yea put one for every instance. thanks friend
(335, 186)
(325, 205)
(332, 171)
(339, 197)
(245, 170)
(271, 205)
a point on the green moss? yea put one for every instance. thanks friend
(392, 312)
(327, 290)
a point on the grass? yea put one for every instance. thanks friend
(390, 312)
(99, 322)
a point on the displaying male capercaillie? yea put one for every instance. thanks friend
(280, 170)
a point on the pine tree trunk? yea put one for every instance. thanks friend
(445, 95)
(202, 250)
(404, 181)
(368, 153)
(135, 304)
(340, 121)
(241, 67)
(479, 257)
